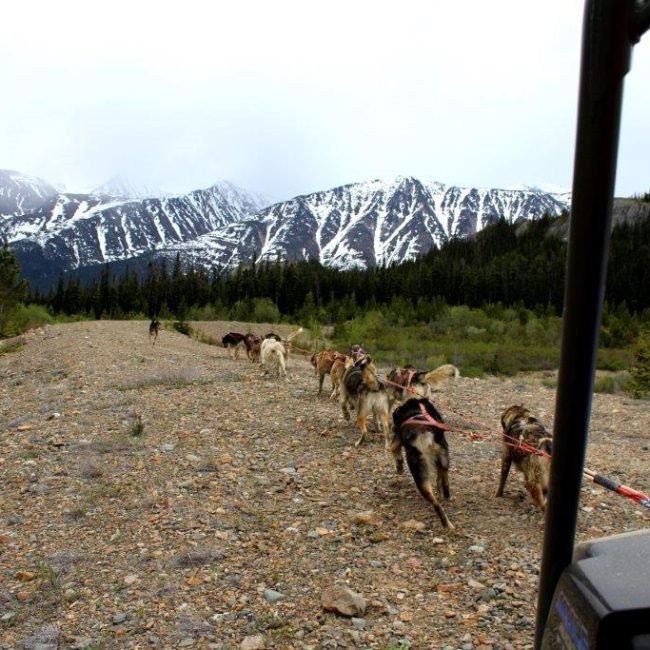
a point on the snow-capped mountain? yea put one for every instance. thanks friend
(356, 225)
(119, 187)
(367, 224)
(53, 232)
(21, 194)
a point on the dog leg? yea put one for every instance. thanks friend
(396, 450)
(385, 425)
(535, 491)
(443, 480)
(321, 379)
(426, 489)
(506, 461)
(344, 401)
(361, 423)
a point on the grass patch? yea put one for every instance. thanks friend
(613, 383)
(202, 337)
(171, 379)
(197, 558)
(604, 382)
(16, 344)
(90, 470)
(136, 429)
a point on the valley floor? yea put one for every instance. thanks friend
(168, 496)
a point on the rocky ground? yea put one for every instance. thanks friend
(167, 496)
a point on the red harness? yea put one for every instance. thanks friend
(424, 417)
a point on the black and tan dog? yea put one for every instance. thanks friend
(528, 445)
(233, 342)
(418, 428)
(361, 389)
(154, 329)
(410, 382)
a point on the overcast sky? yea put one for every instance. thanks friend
(287, 98)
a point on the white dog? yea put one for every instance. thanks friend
(273, 357)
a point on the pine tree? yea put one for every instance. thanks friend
(12, 287)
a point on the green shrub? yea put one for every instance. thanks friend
(640, 372)
(183, 327)
(265, 311)
(612, 383)
(25, 317)
(504, 362)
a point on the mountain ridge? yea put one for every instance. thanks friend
(356, 225)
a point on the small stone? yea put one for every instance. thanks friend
(254, 642)
(70, 595)
(342, 600)
(25, 576)
(476, 549)
(367, 518)
(272, 596)
(118, 619)
(488, 594)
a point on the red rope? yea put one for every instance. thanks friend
(424, 417)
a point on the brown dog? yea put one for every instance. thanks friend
(253, 344)
(529, 446)
(323, 362)
(360, 388)
(410, 382)
(336, 373)
(420, 430)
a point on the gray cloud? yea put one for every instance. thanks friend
(291, 97)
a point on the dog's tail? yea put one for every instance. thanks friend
(294, 334)
(437, 376)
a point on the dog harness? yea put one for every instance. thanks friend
(424, 417)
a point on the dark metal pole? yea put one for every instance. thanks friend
(606, 50)
(641, 20)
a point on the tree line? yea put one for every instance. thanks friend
(508, 264)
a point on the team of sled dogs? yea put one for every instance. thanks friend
(402, 409)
